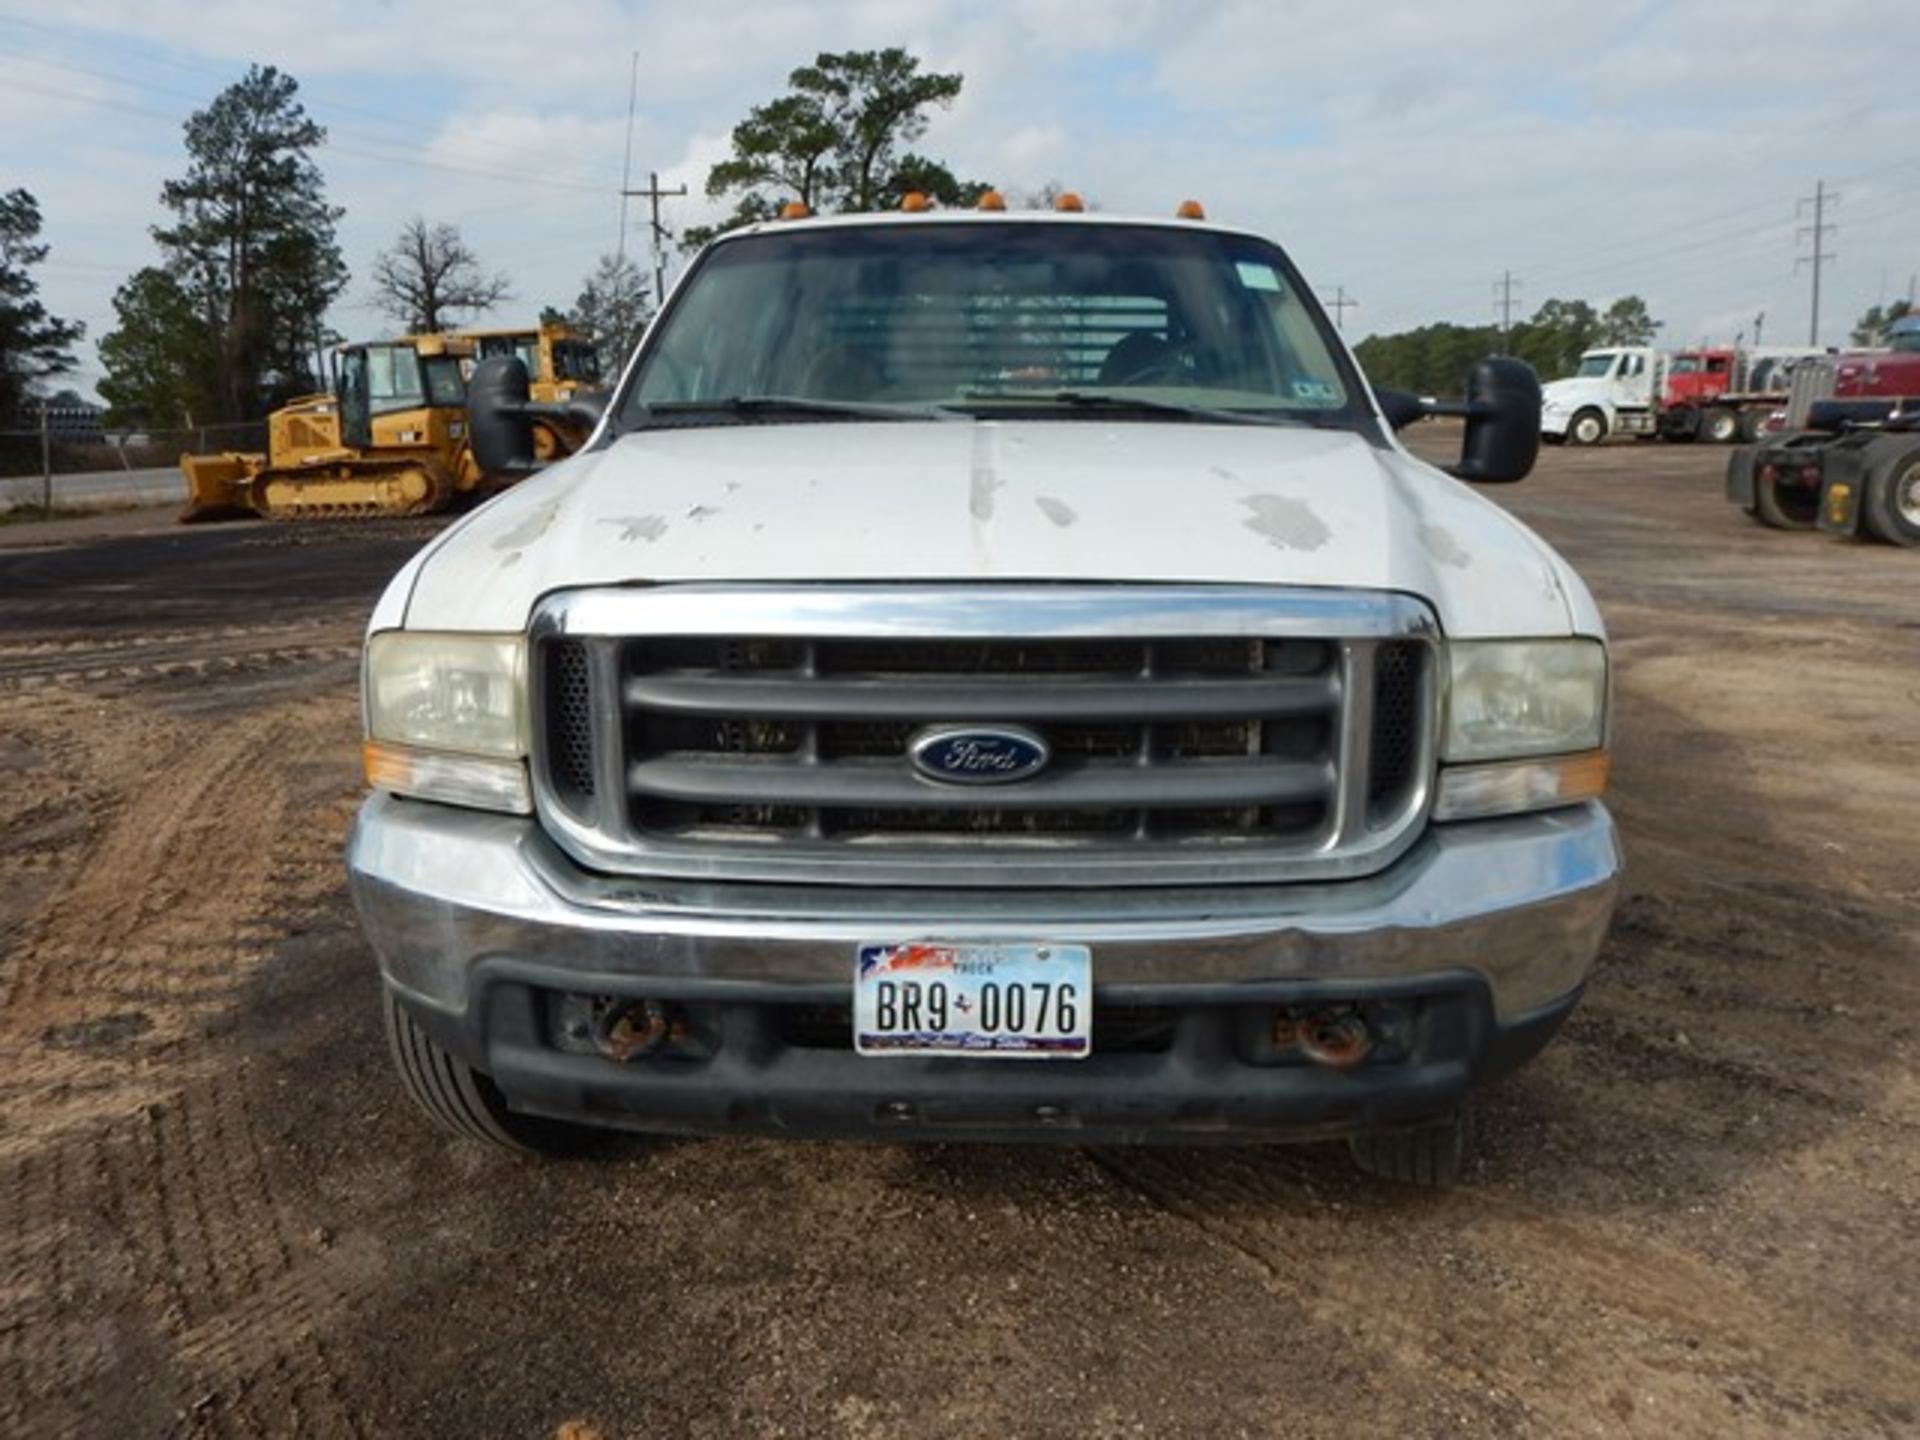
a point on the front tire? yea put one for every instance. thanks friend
(464, 1102)
(1589, 427)
(1719, 426)
(1430, 1154)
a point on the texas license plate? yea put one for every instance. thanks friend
(925, 998)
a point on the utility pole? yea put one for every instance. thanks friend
(626, 162)
(1759, 324)
(653, 194)
(1340, 304)
(1818, 232)
(1503, 289)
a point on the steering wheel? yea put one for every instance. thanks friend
(1169, 366)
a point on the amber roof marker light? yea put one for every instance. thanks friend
(992, 200)
(1190, 210)
(794, 210)
(1069, 203)
(914, 203)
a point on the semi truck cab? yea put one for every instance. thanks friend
(1611, 392)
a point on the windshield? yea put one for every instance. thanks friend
(446, 384)
(1595, 366)
(575, 360)
(523, 347)
(1032, 318)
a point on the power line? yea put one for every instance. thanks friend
(386, 155)
(1340, 304)
(1817, 231)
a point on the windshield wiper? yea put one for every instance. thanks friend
(1105, 400)
(748, 405)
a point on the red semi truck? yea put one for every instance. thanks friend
(1849, 460)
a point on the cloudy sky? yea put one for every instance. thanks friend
(1405, 150)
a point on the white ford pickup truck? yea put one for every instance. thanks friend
(989, 676)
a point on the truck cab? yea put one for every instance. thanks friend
(990, 676)
(1611, 392)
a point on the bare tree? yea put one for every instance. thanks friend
(428, 275)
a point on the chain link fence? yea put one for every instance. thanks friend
(74, 461)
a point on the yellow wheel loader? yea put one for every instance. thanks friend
(390, 440)
(561, 364)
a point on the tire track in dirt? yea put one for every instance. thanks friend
(109, 1059)
(200, 637)
(189, 663)
(1604, 1311)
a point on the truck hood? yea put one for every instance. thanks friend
(1068, 500)
(1572, 388)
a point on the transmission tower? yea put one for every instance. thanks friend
(1817, 232)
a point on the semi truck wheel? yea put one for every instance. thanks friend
(1891, 506)
(1719, 426)
(1589, 427)
(464, 1102)
(1430, 1154)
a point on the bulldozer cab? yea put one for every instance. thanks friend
(558, 358)
(393, 377)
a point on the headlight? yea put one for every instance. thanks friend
(446, 718)
(447, 692)
(1513, 698)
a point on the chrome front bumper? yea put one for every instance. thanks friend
(448, 895)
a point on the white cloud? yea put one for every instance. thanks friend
(1407, 151)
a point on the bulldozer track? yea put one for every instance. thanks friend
(308, 490)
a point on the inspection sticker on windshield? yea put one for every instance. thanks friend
(933, 998)
(1256, 276)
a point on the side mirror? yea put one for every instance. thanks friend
(585, 407)
(1401, 408)
(498, 421)
(1503, 423)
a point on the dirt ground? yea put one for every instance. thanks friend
(1696, 1214)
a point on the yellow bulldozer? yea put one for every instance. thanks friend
(390, 440)
(561, 364)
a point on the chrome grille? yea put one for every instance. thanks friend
(1296, 742)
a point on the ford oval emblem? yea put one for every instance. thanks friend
(979, 754)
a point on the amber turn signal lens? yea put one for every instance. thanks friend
(478, 781)
(1514, 787)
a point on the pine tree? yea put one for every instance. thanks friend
(250, 249)
(33, 344)
(613, 309)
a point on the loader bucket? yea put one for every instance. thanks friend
(217, 486)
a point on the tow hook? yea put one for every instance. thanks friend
(1334, 1036)
(631, 1029)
